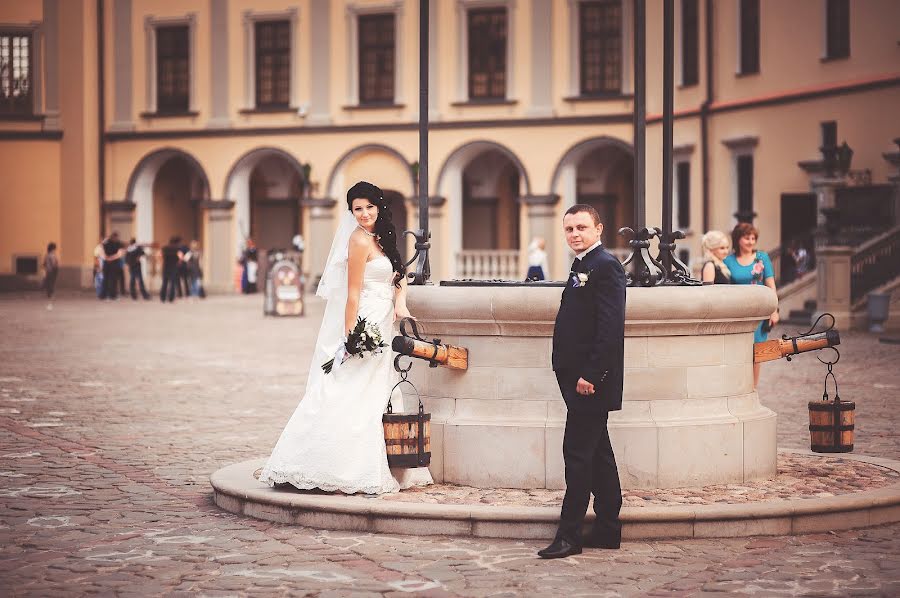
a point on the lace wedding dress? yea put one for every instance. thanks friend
(335, 440)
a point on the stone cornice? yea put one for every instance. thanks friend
(118, 206)
(319, 202)
(539, 200)
(531, 311)
(216, 204)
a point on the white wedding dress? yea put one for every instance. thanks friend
(335, 439)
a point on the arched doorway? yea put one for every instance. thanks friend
(385, 167)
(267, 185)
(600, 172)
(166, 188)
(482, 182)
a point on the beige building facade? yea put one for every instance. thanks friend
(220, 120)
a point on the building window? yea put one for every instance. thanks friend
(273, 64)
(600, 45)
(690, 40)
(837, 28)
(15, 73)
(173, 69)
(683, 182)
(487, 53)
(749, 49)
(376, 59)
(745, 211)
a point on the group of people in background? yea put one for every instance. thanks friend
(182, 274)
(735, 259)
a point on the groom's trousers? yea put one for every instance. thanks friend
(590, 467)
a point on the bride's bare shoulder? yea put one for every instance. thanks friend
(359, 243)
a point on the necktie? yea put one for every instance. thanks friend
(576, 265)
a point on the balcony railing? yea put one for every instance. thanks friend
(489, 264)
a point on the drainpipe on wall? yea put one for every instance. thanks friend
(704, 114)
(101, 117)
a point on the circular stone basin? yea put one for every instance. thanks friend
(690, 415)
(812, 493)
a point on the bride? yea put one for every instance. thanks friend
(335, 440)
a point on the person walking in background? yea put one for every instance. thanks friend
(98, 267)
(538, 268)
(250, 262)
(184, 277)
(192, 259)
(112, 266)
(748, 265)
(716, 247)
(171, 256)
(133, 257)
(51, 271)
(801, 259)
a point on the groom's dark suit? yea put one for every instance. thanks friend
(588, 342)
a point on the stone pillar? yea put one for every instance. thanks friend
(322, 226)
(833, 280)
(219, 65)
(542, 223)
(541, 59)
(119, 216)
(825, 189)
(50, 27)
(436, 226)
(219, 247)
(122, 73)
(320, 40)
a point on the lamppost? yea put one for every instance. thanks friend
(422, 273)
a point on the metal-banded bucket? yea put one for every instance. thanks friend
(831, 423)
(407, 436)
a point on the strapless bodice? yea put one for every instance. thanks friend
(377, 279)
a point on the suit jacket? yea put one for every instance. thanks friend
(589, 335)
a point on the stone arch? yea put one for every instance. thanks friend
(141, 182)
(336, 186)
(599, 171)
(237, 182)
(451, 184)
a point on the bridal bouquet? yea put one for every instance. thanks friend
(364, 338)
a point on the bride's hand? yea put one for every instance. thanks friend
(401, 312)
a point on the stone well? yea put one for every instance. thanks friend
(690, 416)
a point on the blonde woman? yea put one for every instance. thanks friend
(716, 247)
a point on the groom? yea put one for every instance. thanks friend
(588, 358)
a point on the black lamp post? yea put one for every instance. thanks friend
(422, 273)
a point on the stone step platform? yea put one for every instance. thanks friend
(811, 493)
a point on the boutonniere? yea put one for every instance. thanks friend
(579, 279)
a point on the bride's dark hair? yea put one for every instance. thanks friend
(384, 225)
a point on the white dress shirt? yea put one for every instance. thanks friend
(581, 255)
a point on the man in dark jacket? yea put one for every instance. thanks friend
(133, 256)
(588, 358)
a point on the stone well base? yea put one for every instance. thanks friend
(237, 491)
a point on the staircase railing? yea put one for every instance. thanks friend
(875, 263)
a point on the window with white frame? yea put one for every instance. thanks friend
(171, 61)
(486, 45)
(374, 43)
(270, 60)
(16, 79)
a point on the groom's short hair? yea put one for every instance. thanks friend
(583, 207)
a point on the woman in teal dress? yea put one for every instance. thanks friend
(751, 266)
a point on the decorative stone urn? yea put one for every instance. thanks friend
(690, 415)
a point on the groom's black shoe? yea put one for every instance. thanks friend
(560, 549)
(608, 540)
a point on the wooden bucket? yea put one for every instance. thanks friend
(407, 436)
(831, 425)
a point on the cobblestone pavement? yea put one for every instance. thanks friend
(113, 415)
